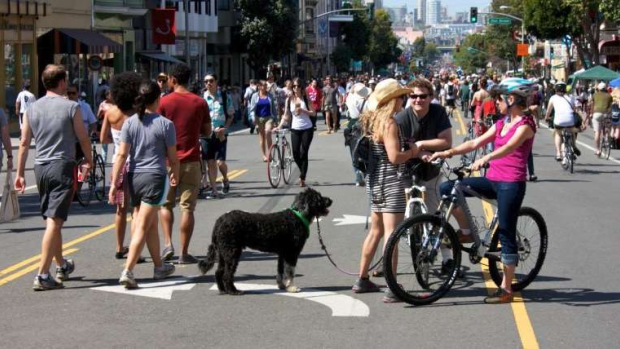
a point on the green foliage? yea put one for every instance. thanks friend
(357, 33)
(471, 55)
(418, 47)
(383, 48)
(269, 28)
(341, 57)
(431, 53)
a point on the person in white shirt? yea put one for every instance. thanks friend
(247, 96)
(564, 111)
(24, 99)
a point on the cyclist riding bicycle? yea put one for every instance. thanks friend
(565, 116)
(506, 179)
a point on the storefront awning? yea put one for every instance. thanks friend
(159, 56)
(74, 41)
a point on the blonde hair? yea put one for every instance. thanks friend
(376, 123)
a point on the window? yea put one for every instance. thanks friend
(208, 7)
(198, 7)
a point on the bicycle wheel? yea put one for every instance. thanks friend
(419, 276)
(273, 166)
(287, 162)
(606, 146)
(532, 247)
(98, 176)
(468, 158)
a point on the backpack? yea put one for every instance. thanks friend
(450, 90)
(615, 113)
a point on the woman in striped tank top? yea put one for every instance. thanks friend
(383, 184)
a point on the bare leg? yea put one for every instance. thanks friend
(558, 144)
(187, 229)
(166, 217)
(261, 141)
(223, 170)
(152, 240)
(146, 215)
(212, 169)
(509, 273)
(51, 245)
(390, 221)
(121, 226)
(371, 242)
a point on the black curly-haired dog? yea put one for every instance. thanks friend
(283, 233)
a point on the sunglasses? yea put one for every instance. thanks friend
(414, 96)
(296, 85)
(209, 80)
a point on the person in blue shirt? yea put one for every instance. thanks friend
(264, 113)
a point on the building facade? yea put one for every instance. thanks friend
(433, 12)
(421, 17)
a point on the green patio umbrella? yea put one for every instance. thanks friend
(597, 73)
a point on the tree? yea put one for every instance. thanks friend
(383, 48)
(418, 47)
(472, 55)
(341, 57)
(431, 53)
(356, 35)
(580, 19)
(269, 28)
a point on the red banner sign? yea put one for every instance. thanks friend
(164, 27)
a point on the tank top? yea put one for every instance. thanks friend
(116, 138)
(512, 167)
(263, 107)
(302, 121)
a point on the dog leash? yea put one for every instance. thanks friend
(324, 248)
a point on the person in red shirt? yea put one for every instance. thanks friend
(315, 96)
(190, 115)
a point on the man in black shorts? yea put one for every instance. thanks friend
(55, 123)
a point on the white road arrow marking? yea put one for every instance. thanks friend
(341, 305)
(348, 219)
(161, 290)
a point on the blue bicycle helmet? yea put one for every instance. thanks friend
(516, 86)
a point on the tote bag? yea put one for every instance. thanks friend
(9, 207)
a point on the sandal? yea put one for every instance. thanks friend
(558, 158)
(499, 297)
(122, 254)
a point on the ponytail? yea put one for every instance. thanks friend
(148, 94)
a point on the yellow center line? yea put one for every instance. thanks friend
(460, 119)
(35, 259)
(522, 319)
(31, 268)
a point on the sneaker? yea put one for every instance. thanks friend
(168, 253)
(499, 297)
(365, 286)
(62, 273)
(390, 297)
(226, 187)
(163, 272)
(213, 195)
(49, 283)
(187, 259)
(533, 178)
(128, 280)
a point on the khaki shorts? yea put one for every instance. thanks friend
(597, 119)
(188, 185)
(265, 121)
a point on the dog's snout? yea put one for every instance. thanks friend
(328, 202)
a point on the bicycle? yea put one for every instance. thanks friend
(95, 183)
(469, 158)
(280, 162)
(419, 240)
(606, 138)
(568, 152)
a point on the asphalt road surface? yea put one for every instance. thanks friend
(572, 304)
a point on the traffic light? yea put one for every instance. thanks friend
(473, 15)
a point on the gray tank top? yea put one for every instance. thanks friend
(51, 122)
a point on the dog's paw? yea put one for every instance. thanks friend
(293, 289)
(235, 293)
(202, 266)
(281, 286)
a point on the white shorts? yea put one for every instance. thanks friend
(596, 120)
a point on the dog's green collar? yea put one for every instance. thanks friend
(303, 219)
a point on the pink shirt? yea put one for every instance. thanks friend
(512, 167)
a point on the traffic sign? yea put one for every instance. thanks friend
(341, 18)
(522, 50)
(500, 20)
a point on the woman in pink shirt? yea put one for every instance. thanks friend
(513, 136)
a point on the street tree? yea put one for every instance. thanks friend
(431, 52)
(356, 34)
(383, 48)
(341, 57)
(472, 54)
(418, 47)
(580, 19)
(269, 29)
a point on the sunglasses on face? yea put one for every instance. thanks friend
(415, 96)
(209, 80)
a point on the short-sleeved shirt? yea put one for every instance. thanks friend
(25, 99)
(331, 97)
(464, 92)
(563, 111)
(218, 109)
(51, 122)
(602, 102)
(148, 141)
(87, 114)
(435, 122)
(3, 122)
(188, 112)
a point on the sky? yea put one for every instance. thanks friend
(453, 5)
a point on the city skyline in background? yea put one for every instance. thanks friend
(452, 5)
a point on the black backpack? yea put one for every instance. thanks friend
(450, 90)
(615, 113)
(360, 146)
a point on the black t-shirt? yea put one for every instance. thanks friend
(430, 126)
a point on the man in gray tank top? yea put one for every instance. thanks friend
(55, 123)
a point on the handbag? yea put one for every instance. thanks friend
(9, 207)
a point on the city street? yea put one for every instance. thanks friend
(574, 302)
